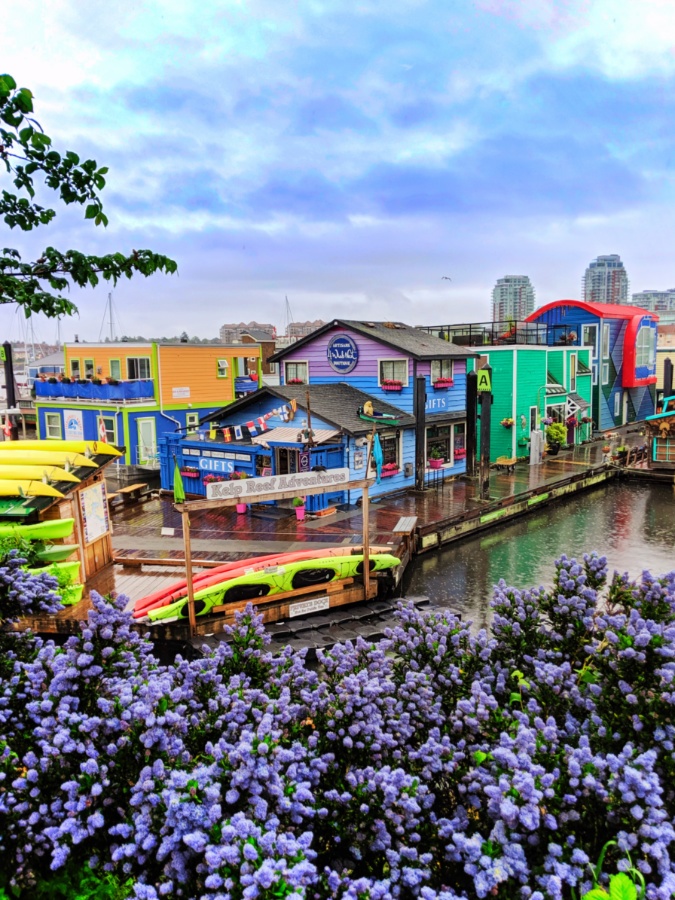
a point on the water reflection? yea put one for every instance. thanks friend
(632, 524)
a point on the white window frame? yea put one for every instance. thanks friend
(138, 360)
(297, 362)
(438, 364)
(605, 372)
(55, 419)
(110, 431)
(594, 371)
(222, 368)
(117, 377)
(386, 436)
(594, 343)
(534, 416)
(274, 368)
(644, 347)
(605, 341)
(617, 404)
(404, 361)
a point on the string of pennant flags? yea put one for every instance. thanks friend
(258, 425)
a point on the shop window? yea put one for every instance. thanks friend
(394, 370)
(53, 426)
(459, 440)
(108, 423)
(263, 465)
(391, 452)
(138, 367)
(439, 438)
(295, 373)
(442, 368)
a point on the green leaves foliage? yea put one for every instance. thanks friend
(27, 153)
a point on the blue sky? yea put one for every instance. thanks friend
(349, 155)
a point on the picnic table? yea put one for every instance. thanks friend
(132, 492)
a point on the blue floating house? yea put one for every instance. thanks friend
(326, 378)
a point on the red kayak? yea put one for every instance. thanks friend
(178, 589)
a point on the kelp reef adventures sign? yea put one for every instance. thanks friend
(249, 488)
(342, 353)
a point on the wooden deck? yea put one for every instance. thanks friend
(447, 513)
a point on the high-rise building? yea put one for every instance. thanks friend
(606, 280)
(655, 301)
(297, 330)
(512, 298)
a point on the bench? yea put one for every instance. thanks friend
(132, 492)
(506, 463)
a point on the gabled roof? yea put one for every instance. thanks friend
(335, 403)
(603, 310)
(397, 335)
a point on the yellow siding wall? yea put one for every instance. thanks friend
(196, 367)
(662, 354)
(103, 353)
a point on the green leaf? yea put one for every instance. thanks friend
(596, 894)
(73, 158)
(622, 888)
(515, 698)
(479, 757)
(91, 211)
(7, 82)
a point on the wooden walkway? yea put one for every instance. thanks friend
(448, 512)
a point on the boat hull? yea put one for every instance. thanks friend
(31, 473)
(25, 488)
(274, 580)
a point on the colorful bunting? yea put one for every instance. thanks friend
(238, 433)
(262, 423)
(227, 435)
(252, 430)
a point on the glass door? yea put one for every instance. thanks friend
(147, 441)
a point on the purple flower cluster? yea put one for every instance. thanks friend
(436, 764)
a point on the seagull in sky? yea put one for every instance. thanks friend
(445, 278)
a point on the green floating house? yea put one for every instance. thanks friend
(531, 383)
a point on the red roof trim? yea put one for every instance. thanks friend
(604, 310)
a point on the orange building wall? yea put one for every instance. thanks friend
(195, 367)
(103, 353)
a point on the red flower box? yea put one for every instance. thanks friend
(389, 384)
(387, 473)
(443, 384)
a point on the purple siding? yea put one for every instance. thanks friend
(370, 352)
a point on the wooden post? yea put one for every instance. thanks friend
(188, 572)
(420, 431)
(485, 410)
(365, 511)
(471, 423)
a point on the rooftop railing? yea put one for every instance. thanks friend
(490, 334)
(125, 392)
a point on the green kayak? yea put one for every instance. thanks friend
(40, 531)
(54, 553)
(275, 580)
(71, 569)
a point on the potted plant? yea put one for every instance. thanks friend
(211, 478)
(436, 458)
(507, 422)
(295, 381)
(389, 469)
(606, 449)
(189, 471)
(392, 384)
(239, 476)
(556, 435)
(299, 505)
(442, 384)
(586, 420)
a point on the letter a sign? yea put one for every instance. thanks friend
(484, 380)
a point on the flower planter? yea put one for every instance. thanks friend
(241, 507)
(394, 388)
(389, 473)
(436, 463)
(190, 474)
(300, 513)
(553, 449)
(442, 385)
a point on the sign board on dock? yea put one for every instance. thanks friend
(249, 489)
(304, 607)
(484, 380)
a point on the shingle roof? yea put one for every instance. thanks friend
(415, 343)
(335, 403)
(258, 335)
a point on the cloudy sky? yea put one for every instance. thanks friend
(350, 154)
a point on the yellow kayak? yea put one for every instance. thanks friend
(95, 448)
(32, 473)
(44, 458)
(28, 489)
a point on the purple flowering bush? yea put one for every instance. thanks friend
(436, 764)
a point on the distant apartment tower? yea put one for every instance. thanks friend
(512, 298)
(231, 334)
(297, 330)
(655, 301)
(606, 280)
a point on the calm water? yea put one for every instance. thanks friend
(633, 525)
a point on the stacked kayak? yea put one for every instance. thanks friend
(218, 574)
(54, 555)
(270, 580)
(87, 448)
(40, 531)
